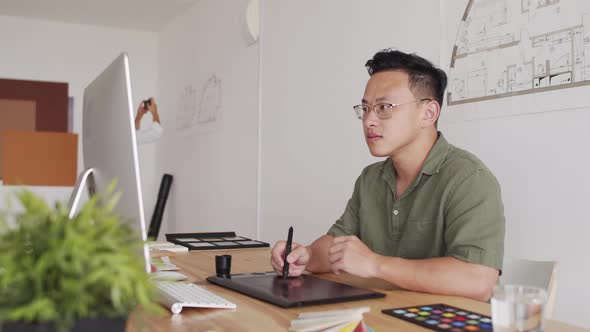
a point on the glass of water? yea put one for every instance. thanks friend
(517, 308)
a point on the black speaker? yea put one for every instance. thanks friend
(156, 222)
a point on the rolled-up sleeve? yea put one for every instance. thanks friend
(475, 224)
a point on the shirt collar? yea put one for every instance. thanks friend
(434, 160)
(436, 156)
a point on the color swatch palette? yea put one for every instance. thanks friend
(443, 317)
(212, 241)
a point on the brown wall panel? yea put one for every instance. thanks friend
(51, 98)
(39, 158)
(16, 115)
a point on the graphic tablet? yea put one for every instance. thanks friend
(294, 291)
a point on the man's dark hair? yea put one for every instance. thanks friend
(426, 81)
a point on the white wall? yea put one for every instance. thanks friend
(76, 54)
(313, 72)
(541, 161)
(214, 167)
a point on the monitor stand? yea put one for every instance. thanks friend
(85, 180)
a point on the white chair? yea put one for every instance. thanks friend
(542, 274)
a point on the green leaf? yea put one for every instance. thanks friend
(53, 268)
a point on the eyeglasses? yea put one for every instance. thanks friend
(382, 110)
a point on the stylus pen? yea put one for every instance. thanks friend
(287, 252)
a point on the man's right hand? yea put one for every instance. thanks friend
(298, 258)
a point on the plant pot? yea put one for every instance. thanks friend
(83, 325)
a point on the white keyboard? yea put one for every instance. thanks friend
(177, 295)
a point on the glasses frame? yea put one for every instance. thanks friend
(363, 110)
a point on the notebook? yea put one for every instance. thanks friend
(344, 320)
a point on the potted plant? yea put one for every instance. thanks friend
(62, 274)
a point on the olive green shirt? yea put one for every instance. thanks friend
(452, 208)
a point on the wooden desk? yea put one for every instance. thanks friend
(255, 315)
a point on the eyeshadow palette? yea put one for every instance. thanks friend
(211, 241)
(443, 317)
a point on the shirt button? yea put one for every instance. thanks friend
(395, 212)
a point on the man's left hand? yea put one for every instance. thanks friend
(349, 254)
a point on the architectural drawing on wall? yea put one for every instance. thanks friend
(201, 110)
(510, 47)
(210, 104)
(187, 108)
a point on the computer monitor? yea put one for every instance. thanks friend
(109, 146)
